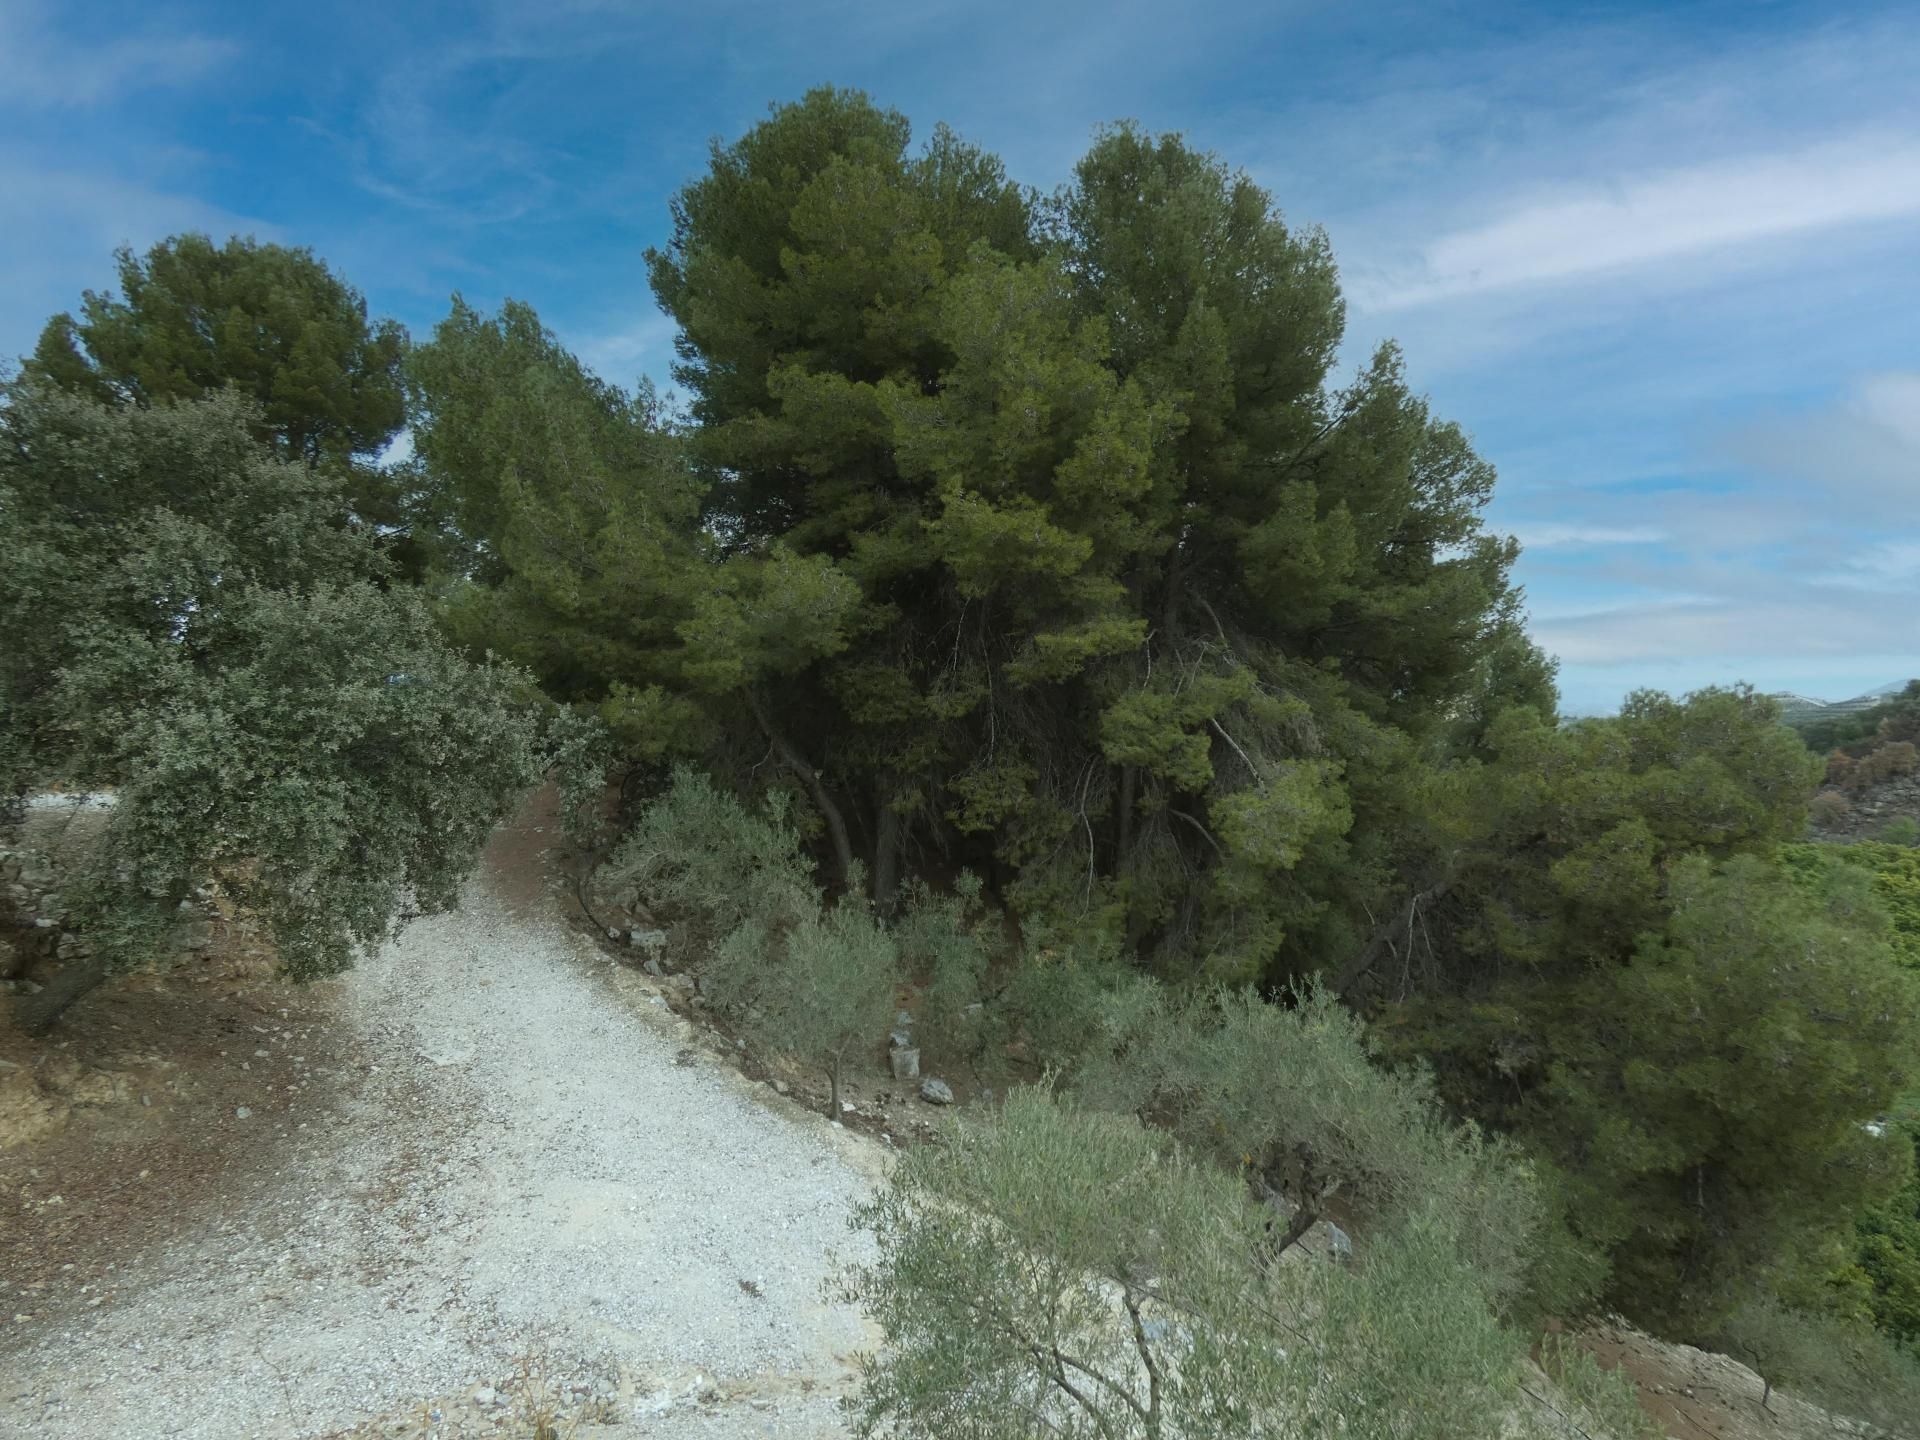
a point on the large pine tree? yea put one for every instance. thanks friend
(1106, 580)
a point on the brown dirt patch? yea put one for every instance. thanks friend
(1696, 1395)
(135, 1135)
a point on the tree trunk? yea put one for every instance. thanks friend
(1305, 1217)
(1400, 923)
(794, 761)
(888, 829)
(1129, 784)
(1170, 599)
(833, 1088)
(36, 1014)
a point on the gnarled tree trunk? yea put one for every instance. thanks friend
(796, 762)
(36, 1014)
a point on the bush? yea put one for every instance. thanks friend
(1886, 1262)
(809, 982)
(949, 942)
(1288, 1095)
(1068, 1272)
(1828, 809)
(1841, 1366)
(1904, 830)
(1077, 1008)
(709, 859)
(818, 991)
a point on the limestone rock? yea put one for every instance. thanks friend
(27, 1111)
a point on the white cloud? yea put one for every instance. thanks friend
(38, 69)
(1797, 626)
(1863, 450)
(78, 221)
(1572, 233)
(642, 346)
(1550, 534)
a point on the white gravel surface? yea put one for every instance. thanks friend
(526, 1161)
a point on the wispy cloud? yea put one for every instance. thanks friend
(41, 69)
(1792, 628)
(1892, 565)
(1551, 534)
(643, 346)
(1570, 233)
(1813, 556)
(1864, 449)
(79, 219)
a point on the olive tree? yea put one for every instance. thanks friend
(1066, 1272)
(1289, 1096)
(191, 626)
(820, 992)
(803, 979)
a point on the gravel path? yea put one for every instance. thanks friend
(531, 1171)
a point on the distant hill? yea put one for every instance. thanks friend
(1804, 709)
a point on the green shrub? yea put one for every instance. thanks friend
(1067, 1272)
(1886, 1264)
(1288, 1095)
(1829, 808)
(1895, 872)
(949, 943)
(1841, 1366)
(703, 856)
(1075, 1008)
(818, 991)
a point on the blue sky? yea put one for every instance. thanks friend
(1662, 262)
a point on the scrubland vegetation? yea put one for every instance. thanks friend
(1019, 608)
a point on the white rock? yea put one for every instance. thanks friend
(936, 1092)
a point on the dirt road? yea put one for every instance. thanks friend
(520, 1178)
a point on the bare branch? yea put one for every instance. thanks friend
(1201, 828)
(1221, 731)
(1132, 1302)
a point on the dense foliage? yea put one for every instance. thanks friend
(1617, 966)
(1046, 524)
(274, 323)
(1156, 699)
(1885, 1273)
(1066, 1272)
(1895, 876)
(191, 624)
